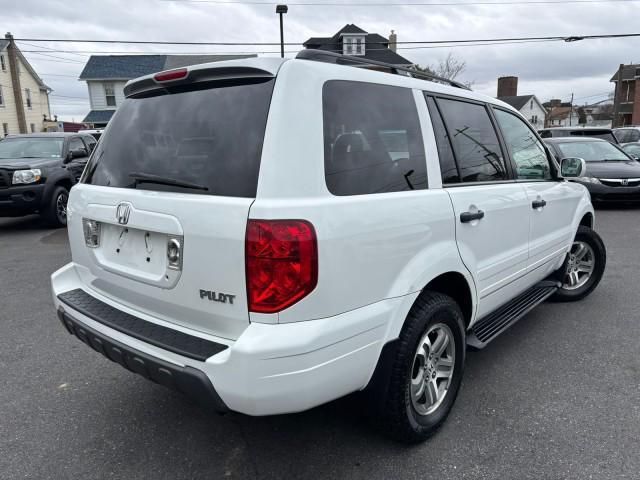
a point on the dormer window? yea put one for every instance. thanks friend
(353, 44)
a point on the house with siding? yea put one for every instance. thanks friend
(106, 76)
(528, 105)
(24, 97)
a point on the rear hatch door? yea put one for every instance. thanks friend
(165, 200)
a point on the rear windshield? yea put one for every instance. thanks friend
(603, 134)
(205, 141)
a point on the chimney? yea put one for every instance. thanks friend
(555, 102)
(507, 87)
(393, 39)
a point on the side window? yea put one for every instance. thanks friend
(90, 142)
(75, 144)
(448, 168)
(372, 139)
(633, 136)
(527, 152)
(475, 141)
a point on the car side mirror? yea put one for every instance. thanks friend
(76, 153)
(572, 167)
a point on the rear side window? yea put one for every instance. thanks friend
(372, 139)
(206, 141)
(448, 168)
(90, 142)
(475, 141)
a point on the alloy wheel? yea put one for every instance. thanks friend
(432, 369)
(580, 266)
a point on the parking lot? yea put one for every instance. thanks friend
(556, 397)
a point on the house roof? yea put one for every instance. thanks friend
(376, 46)
(629, 72)
(3, 44)
(350, 28)
(517, 101)
(98, 116)
(125, 67)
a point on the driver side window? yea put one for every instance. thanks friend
(526, 150)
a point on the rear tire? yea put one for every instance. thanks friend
(582, 271)
(431, 342)
(55, 213)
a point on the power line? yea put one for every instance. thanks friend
(569, 38)
(387, 4)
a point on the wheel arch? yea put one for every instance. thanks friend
(587, 220)
(455, 285)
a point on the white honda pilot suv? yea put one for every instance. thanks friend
(268, 235)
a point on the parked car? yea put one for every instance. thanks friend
(330, 229)
(592, 132)
(632, 149)
(611, 174)
(627, 134)
(95, 133)
(37, 171)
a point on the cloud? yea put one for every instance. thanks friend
(545, 69)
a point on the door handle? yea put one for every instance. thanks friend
(538, 204)
(466, 217)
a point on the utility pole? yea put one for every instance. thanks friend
(12, 53)
(571, 111)
(281, 10)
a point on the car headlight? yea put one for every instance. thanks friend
(587, 180)
(26, 176)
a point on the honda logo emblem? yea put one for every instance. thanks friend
(122, 213)
(624, 181)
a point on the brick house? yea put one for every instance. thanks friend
(626, 103)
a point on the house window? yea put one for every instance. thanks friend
(1, 97)
(531, 105)
(33, 128)
(359, 46)
(2, 64)
(27, 94)
(534, 119)
(109, 94)
(348, 50)
(5, 129)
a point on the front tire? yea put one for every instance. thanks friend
(56, 212)
(427, 369)
(584, 267)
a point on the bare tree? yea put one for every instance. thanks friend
(449, 68)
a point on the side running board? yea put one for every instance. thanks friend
(489, 327)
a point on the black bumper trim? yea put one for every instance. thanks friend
(187, 380)
(163, 337)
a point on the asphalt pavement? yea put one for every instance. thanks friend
(555, 397)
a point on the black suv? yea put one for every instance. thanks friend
(38, 170)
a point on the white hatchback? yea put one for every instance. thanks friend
(268, 235)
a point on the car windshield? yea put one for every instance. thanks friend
(592, 151)
(31, 147)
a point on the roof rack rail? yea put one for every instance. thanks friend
(350, 60)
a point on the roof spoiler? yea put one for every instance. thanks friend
(148, 84)
(352, 61)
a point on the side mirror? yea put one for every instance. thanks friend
(76, 153)
(572, 167)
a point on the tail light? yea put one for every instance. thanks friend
(281, 262)
(169, 75)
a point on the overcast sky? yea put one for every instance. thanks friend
(549, 70)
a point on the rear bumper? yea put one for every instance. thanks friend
(22, 200)
(185, 379)
(269, 369)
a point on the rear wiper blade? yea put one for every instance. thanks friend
(148, 177)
